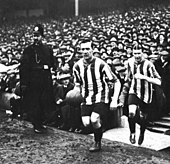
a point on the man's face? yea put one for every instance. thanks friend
(109, 61)
(155, 33)
(65, 82)
(86, 50)
(120, 46)
(138, 55)
(37, 37)
(129, 51)
(159, 48)
(109, 48)
(152, 49)
(60, 62)
(165, 55)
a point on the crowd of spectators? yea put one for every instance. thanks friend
(113, 33)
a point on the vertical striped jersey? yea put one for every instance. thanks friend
(93, 79)
(142, 88)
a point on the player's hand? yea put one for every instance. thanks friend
(140, 76)
(59, 101)
(120, 105)
(113, 105)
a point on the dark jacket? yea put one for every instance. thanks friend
(33, 61)
(164, 71)
(60, 91)
(35, 74)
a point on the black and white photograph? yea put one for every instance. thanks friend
(84, 82)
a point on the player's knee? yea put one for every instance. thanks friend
(86, 121)
(132, 111)
(131, 115)
(95, 120)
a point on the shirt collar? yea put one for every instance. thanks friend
(88, 63)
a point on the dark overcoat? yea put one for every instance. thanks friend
(38, 98)
(164, 71)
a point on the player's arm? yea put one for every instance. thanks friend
(76, 75)
(117, 86)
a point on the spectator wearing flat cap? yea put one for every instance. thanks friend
(162, 40)
(36, 80)
(69, 113)
(60, 90)
(60, 62)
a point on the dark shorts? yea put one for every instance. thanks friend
(134, 100)
(100, 108)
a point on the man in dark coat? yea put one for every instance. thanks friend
(163, 67)
(60, 92)
(36, 80)
(69, 109)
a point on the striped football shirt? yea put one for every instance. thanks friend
(93, 79)
(142, 88)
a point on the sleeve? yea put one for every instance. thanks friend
(153, 72)
(126, 86)
(58, 92)
(76, 74)
(24, 69)
(109, 74)
(52, 59)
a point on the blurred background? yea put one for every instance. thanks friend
(10, 9)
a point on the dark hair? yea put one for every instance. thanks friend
(62, 59)
(86, 41)
(137, 46)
